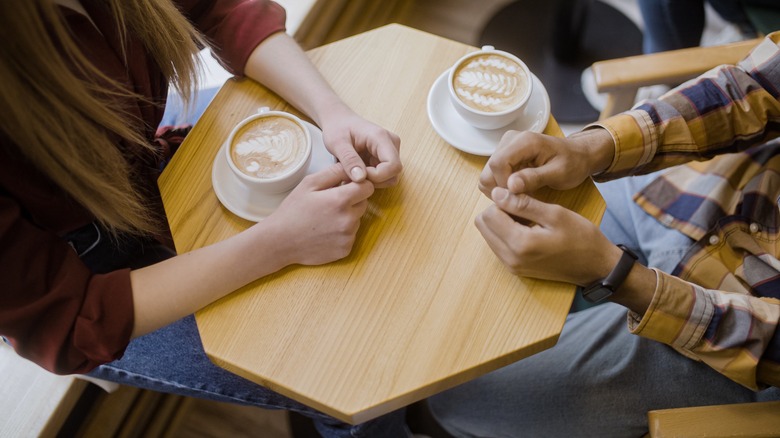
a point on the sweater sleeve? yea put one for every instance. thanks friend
(234, 28)
(53, 310)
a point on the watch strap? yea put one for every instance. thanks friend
(601, 290)
(620, 271)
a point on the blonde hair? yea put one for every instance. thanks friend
(64, 114)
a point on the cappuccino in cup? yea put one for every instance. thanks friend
(270, 151)
(489, 88)
(268, 147)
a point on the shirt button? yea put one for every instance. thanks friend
(755, 228)
(714, 240)
(667, 219)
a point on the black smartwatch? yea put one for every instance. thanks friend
(601, 290)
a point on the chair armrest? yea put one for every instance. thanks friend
(620, 78)
(737, 420)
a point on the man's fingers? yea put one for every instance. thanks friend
(487, 181)
(523, 206)
(496, 226)
(523, 163)
(503, 235)
(527, 180)
(513, 148)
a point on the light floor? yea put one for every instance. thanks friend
(205, 419)
(460, 20)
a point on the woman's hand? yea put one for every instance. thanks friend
(318, 221)
(546, 241)
(315, 224)
(365, 150)
(525, 161)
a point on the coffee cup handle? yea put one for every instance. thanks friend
(263, 109)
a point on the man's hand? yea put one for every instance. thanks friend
(525, 162)
(547, 241)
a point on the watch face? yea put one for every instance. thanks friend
(596, 293)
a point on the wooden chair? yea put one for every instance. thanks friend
(738, 420)
(620, 79)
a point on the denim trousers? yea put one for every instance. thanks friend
(599, 380)
(172, 359)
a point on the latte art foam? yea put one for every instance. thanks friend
(490, 83)
(268, 147)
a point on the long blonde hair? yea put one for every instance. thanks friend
(67, 126)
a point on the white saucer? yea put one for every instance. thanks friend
(252, 206)
(461, 135)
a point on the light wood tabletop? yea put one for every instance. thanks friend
(421, 304)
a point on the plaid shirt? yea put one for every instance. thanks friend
(721, 305)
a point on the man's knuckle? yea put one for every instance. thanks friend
(520, 203)
(517, 248)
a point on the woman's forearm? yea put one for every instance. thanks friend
(174, 288)
(364, 149)
(281, 65)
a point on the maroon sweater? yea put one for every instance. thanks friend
(53, 310)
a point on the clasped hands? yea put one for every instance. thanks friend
(538, 239)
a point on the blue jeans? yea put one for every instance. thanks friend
(677, 24)
(598, 380)
(172, 359)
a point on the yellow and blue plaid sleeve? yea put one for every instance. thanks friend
(733, 333)
(732, 323)
(727, 109)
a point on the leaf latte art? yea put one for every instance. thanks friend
(490, 83)
(268, 147)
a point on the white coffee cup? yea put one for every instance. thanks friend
(489, 88)
(270, 151)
